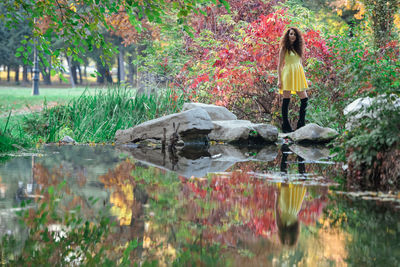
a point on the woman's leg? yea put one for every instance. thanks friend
(286, 128)
(303, 107)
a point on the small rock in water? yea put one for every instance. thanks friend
(67, 139)
(370, 198)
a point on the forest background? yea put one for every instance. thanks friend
(155, 55)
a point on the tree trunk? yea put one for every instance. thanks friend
(102, 71)
(109, 76)
(25, 74)
(80, 74)
(16, 78)
(85, 74)
(140, 76)
(132, 77)
(46, 73)
(8, 73)
(46, 76)
(74, 76)
(71, 78)
(118, 72)
(121, 66)
(382, 17)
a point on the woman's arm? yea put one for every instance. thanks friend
(280, 66)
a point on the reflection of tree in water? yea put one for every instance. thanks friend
(121, 183)
(232, 209)
(127, 199)
(372, 228)
(248, 202)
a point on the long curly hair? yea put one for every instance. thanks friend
(298, 45)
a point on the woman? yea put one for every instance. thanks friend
(291, 77)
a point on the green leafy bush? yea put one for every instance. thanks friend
(371, 146)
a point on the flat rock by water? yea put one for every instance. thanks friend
(312, 133)
(231, 131)
(217, 113)
(194, 124)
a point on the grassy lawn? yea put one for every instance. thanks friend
(90, 116)
(14, 98)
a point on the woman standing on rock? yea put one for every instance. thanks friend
(291, 77)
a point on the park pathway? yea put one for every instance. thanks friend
(27, 109)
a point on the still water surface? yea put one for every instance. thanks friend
(224, 206)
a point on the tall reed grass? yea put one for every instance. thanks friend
(96, 117)
(12, 137)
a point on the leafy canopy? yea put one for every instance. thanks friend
(79, 23)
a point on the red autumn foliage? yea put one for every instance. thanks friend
(248, 11)
(243, 75)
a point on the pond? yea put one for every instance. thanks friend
(222, 206)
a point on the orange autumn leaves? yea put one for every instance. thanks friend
(121, 183)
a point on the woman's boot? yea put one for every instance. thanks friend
(302, 114)
(286, 128)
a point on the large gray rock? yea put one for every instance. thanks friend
(313, 133)
(217, 113)
(231, 131)
(267, 131)
(239, 130)
(195, 124)
(358, 109)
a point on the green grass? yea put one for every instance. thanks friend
(14, 98)
(94, 116)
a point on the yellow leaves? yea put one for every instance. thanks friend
(361, 10)
(397, 21)
(342, 5)
(72, 7)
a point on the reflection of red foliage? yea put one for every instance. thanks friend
(264, 225)
(240, 197)
(311, 210)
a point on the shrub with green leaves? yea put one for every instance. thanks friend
(371, 146)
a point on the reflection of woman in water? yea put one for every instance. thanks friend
(287, 208)
(288, 204)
